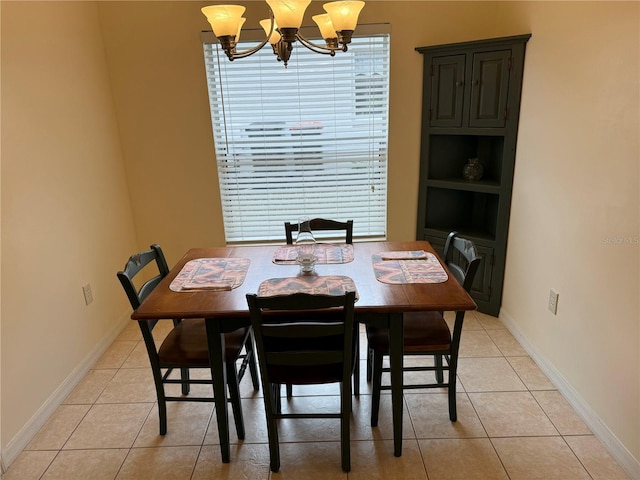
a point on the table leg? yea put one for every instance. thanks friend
(215, 340)
(396, 354)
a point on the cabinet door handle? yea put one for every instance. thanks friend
(475, 83)
(459, 83)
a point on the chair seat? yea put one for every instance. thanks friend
(186, 345)
(423, 332)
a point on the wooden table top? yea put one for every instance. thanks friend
(374, 296)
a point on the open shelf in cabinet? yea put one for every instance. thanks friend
(448, 154)
(470, 213)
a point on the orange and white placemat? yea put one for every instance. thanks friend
(412, 266)
(211, 274)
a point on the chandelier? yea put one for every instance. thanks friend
(336, 27)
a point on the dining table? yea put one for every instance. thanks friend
(382, 298)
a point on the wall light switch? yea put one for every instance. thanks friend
(553, 301)
(88, 295)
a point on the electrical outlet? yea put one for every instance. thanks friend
(88, 295)
(553, 301)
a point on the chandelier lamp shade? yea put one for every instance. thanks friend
(282, 28)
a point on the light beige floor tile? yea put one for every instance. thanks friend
(511, 414)
(430, 417)
(498, 405)
(255, 425)
(539, 458)
(417, 378)
(206, 390)
(310, 461)
(115, 355)
(461, 459)
(160, 463)
(530, 373)
(246, 386)
(138, 358)
(598, 462)
(327, 389)
(131, 333)
(477, 343)
(161, 330)
(54, 434)
(309, 430)
(487, 321)
(129, 385)
(561, 414)
(196, 390)
(84, 464)
(90, 387)
(248, 462)
(29, 465)
(365, 387)
(361, 428)
(374, 460)
(470, 321)
(492, 374)
(508, 345)
(186, 425)
(109, 426)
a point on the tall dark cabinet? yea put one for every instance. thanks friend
(470, 108)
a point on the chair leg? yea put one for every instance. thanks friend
(376, 365)
(345, 419)
(277, 398)
(369, 364)
(162, 403)
(184, 375)
(437, 359)
(271, 405)
(253, 364)
(356, 368)
(453, 412)
(234, 399)
(289, 391)
(162, 416)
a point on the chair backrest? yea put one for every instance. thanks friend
(321, 224)
(303, 338)
(462, 259)
(135, 265)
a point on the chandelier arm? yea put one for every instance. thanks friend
(246, 53)
(232, 55)
(314, 47)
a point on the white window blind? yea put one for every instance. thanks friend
(309, 139)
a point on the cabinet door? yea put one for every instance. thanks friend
(447, 91)
(489, 89)
(481, 288)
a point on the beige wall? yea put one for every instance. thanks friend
(575, 211)
(64, 190)
(66, 214)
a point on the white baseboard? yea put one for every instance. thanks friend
(18, 443)
(616, 448)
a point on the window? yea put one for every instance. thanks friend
(309, 139)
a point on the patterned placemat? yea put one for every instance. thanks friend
(326, 253)
(211, 274)
(416, 266)
(313, 284)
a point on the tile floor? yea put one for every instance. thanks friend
(512, 424)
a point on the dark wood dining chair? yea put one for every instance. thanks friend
(427, 333)
(321, 224)
(185, 347)
(304, 339)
